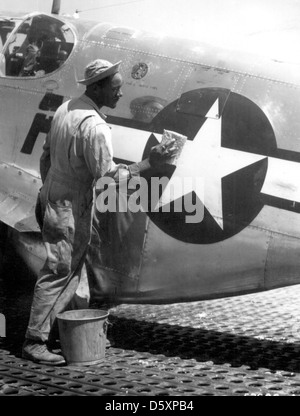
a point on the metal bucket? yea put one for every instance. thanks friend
(83, 335)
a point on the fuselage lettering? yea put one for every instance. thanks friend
(41, 122)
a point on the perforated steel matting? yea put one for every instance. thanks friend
(247, 345)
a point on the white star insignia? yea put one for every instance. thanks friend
(205, 158)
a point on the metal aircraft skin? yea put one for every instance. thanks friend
(240, 113)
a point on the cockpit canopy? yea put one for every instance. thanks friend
(39, 46)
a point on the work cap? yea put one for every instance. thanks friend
(97, 70)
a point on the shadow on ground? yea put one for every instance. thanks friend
(16, 289)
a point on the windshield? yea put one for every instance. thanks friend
(40, 46)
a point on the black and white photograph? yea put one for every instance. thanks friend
(149, 200)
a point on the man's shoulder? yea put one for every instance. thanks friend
(94, 122)
(76, 108)
(80, 105)
(78, 112)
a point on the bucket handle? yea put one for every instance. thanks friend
(105, 326)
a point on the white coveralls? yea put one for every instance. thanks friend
(77, 152)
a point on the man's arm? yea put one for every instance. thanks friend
(96, 148)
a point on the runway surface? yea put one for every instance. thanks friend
(241, 346)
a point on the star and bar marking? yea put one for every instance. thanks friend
(204, 157)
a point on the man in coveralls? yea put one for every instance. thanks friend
(76, 153)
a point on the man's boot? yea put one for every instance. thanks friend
(38, 352)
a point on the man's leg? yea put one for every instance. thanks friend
(59, 278)
(52, 294)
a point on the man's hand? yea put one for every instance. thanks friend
(160, 154)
